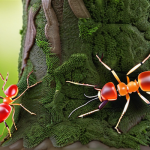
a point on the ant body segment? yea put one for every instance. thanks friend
(109, 92)
(7, 105)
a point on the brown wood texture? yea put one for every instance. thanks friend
(79, 9)
(52, 27)
(30, 37)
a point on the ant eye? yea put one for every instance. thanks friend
(11, 91)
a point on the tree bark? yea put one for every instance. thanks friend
(60, 40)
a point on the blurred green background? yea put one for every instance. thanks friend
(10, 41)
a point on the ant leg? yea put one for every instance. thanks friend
(81, 84)
(143, 98)
(88, 113)
(97, 89)
(76, 83)
(124, 110)
(7, 128)
(93, 111)
(24, 108)
(2, 77)
(107, 67)
(13, 116)
(138, 65)
(28, 78)
(26, 90)
(27, 87)
(7, 125)
(2, 132)
(82, 106)
(4, 80)
(128, 79)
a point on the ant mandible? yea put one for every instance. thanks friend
(109, 92)
(5, 107)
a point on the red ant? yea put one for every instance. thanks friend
(109, 92)
(5, 107)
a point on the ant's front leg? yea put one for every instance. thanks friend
(138, 65)
(4, 80)
(107, 67)
(76, 83)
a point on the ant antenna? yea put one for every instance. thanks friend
(82, 105)
(90, 96)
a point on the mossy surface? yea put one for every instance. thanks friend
(118, 29)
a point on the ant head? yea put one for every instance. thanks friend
(11, 91)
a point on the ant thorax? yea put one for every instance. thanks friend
(124, 89)
(133, 86)
(7, 100)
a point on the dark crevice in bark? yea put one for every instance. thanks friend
(27, 4)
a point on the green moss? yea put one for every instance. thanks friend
(87, 28)
(40, 23)
(52, 60)
(44, 45)
(36, 6)
(106, 11)
(21, 32)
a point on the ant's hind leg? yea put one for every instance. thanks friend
(13, 116)
(7, 128)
